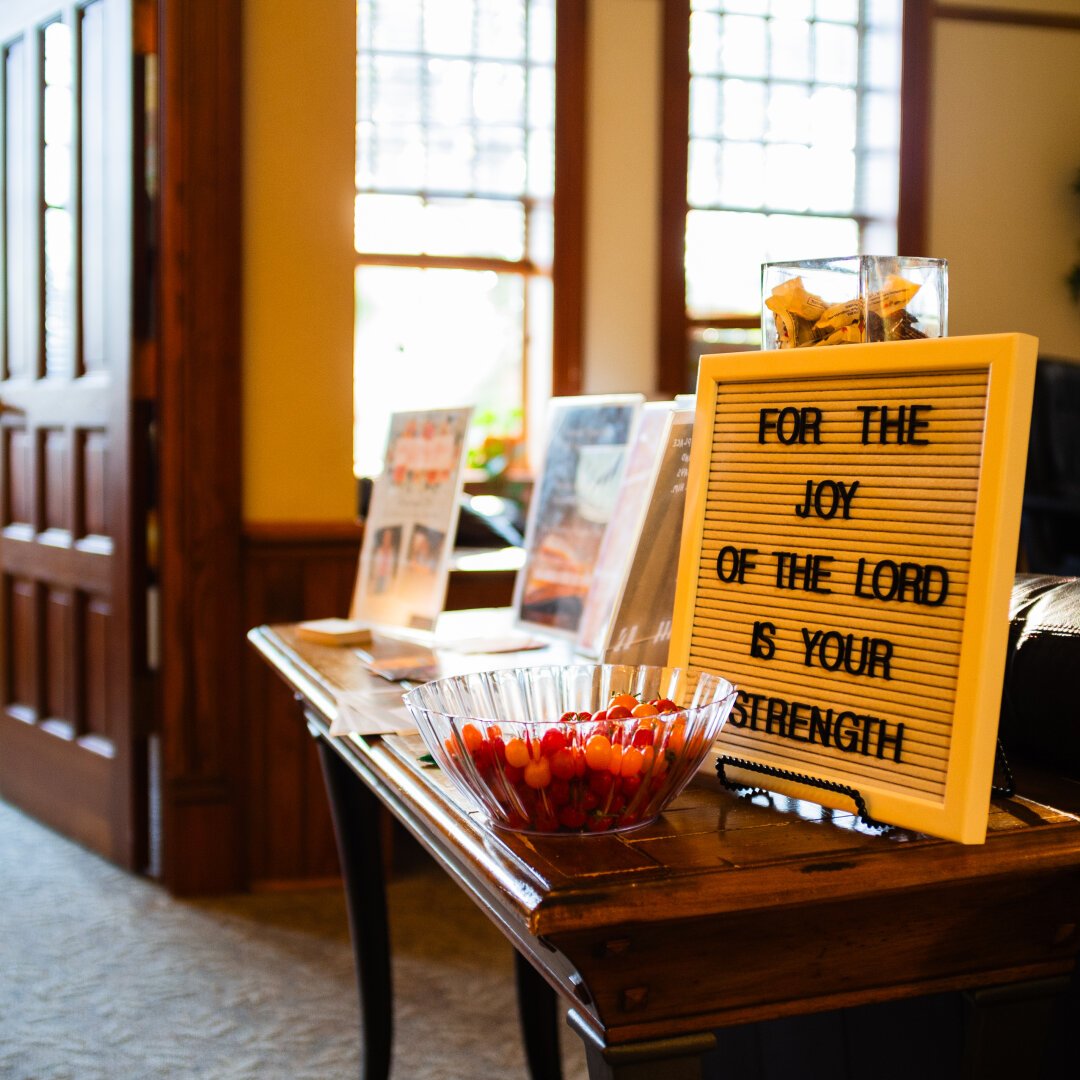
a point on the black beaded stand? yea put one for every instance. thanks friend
(1004, 791)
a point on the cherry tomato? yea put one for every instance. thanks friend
(627, 701)
(498, 749)
(513, 773)
(615, 764)
(559, 791)
(630, 785)
(562, 764)
(538, 773)
(580, 764)
(632, 760)
(471, 736)
(517, 753)
(643, 737)
(598, 822)
(482, 756)
(665, 705)
(618, 712)
(600, 783)
(553, 741)
(644, 709)
(572, 817)
(597, 752)
(599, 717)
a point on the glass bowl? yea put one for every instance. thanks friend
(579, 748)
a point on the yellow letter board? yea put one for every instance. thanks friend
(848, 551)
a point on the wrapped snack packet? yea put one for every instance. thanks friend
(792, 296)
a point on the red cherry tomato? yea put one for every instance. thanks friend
(618, 712)
(665, 705)
(553, 741)
(572, 817)
(643, 737)
(562, 764)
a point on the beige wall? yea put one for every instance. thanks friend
(622, 195)
(299, 94)
(1005, 152)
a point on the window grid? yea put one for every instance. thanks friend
(527, 132)
(713, 72)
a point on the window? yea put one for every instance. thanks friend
(793, 147)
(454, 230)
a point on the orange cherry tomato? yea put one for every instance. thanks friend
(644, 709)
(471, 736)
(615, 764)
(597, 752)
(538, 773)
(517, 753)
(632, 760)
(627, 701)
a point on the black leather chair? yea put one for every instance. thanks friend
(1050, 520)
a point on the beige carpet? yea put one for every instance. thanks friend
(102, 975)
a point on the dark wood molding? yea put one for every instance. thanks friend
(915, 91)
(200, 463)
(1044, 20)
(568, 269)
(671, 344)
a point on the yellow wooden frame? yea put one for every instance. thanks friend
(1009, 363)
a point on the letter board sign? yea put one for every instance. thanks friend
(849, 547)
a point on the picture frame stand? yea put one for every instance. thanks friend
(1005, 790)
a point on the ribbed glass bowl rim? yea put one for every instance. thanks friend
(413, 698)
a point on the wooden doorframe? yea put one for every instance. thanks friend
(199, 411)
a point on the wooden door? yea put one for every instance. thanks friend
(68, 747)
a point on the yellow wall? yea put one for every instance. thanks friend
(622, 195)
(299, 108)
(1005, 152)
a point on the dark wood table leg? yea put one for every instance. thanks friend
(355, 812)
(538, 1010)
(676, 1058)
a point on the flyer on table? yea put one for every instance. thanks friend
(410, 527)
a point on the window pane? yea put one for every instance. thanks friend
(448, 27)
(703, 177)
(499, 93)
(397, 89)
(883, 60)
(791, 237)
(704, 42)
(789, 113)
(704, 106)
(830, 181)
(832, 118)
(724, 252)
(790, 57)
(880, 185)
(744, 109)
(836, 54)
(466, 349)
(451, 157)
(542, 31)
(743, 45)
(541, 164)
(881, 124)
(542, 98)
(792, 9)
(838, 10)
(500, 161)
(788, 183)
(450, 89)
(391, 24)
(742, 174)
(500, 28)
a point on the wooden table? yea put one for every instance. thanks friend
(727, 910)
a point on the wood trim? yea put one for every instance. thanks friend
(200, 414)
(671, 345)
(726, 322)
(915, 91)
(447, 262)
(568, 269)
(1008, 17)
